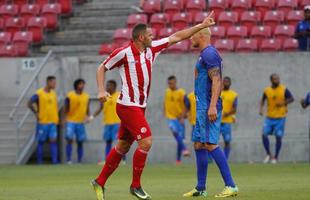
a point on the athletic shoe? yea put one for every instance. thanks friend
(267, 159)
(178, 162)
(139, 193)
(195, 193)
(228, 192)
(99, 190)
(274, 161)
(186, 153)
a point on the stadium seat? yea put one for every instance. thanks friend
(5, 38)
(2, 2)
(290, 44)
(51, 12)
(1, 24)
(180, 47)
(165, 32)
(195, 6)
(218, 32)
(8, 51)
(227, 19)
(264, 5)
(273, 18)
(269, 45)
(286, 5)
(20, 3)
(217, 6)
(171, 7)
(236, 33)
(134, 19)
(8, 11)
(200, 17)
(250, 19)
(121, 35)
(303, 3)
(152, 6)
(283, 32)
(41, 3)
(180, 20)
(294, 16)
(240, 6)
(260, 33)
(21, 41)
(15, 24)
(66, 6)
(106, 49)
(28, 11)
(247, 45)
(36, 26)
(224, 45)
(158, 21)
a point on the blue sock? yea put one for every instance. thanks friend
(108, 148)
(69, 151)
(80, 151)
(54, 152)
(227, 150)
(278, 146)
(222, 164)
(40, 152)
(266, 144)
(202, 168)
(180, 145)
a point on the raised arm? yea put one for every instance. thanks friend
(187, 33)
(214, 74)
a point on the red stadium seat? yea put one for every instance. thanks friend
(8, 51)
(14, 24)
(290, 44)
(5, 38)
(171, 7)
(36, 25)
(180, 47)
(240, 6)
(218, 32)
(121, 35)
(269, 45)
(250, 19)
(264, 5)
(260, 33)
(42, 2)
(66, 6)
(200, 17)
(21, 41)
(1, 24)
(227, 19)
(287, 5)
(217, 6)
(8, 11)
(51, 12)
(195, 6)
(303, 3)
(294, 16)
(283, 32)
(106, 49)
(134, 19)
(224, 45)
(29, 10)
(2, 2)
(247, 45)
(152, 6)
(165, 32)
(158, 21)
(236, 33)
(273, 18)
(180, 21)
(20, 2)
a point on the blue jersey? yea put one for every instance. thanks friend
(307, 99)
(209, 58)
(303, 26)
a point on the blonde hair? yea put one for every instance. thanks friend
(206, 32)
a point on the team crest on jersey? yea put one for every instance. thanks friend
(143, 130)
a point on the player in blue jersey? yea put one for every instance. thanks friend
(208, 84)
(306, 101)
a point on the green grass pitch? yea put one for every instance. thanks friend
(163, 182)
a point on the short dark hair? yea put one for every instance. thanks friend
(227, 78)
(113, 82)
(137, 30)
(49, 78)
(272, 75)
(77, 82)
(172, 77)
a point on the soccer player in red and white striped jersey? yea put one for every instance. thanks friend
(135, 62)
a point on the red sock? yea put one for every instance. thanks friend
(139, 159)
(109, 167)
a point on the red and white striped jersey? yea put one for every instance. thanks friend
(135, 68)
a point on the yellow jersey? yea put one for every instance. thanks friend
(192, 109)
(275, 96)
(109, 110)
(229, 100)
(47, 107)
(174, 103)
(78, 106)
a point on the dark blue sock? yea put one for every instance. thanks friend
(227, 150)
(278, 146)
(202, 168)
(54, 152)
(222, 164)
(266, 144)
(40, 152)
(80, 151)
(180, 145)
(108, 148)
(69, 151)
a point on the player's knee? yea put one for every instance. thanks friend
(123, 147)
(145, 144)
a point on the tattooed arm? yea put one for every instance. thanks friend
(214, 74)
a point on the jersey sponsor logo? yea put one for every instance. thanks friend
(138, 137)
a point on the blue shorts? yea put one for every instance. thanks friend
(274, 126)
(206, 131)
(75, 130)
(176, 127)
(45, 132)
(226, 131)
(110, 132)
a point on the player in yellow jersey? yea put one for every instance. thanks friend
(45, 107)
(175, 112)
(110, 119)
(277, 97)
(77, 113)
(230, 102)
